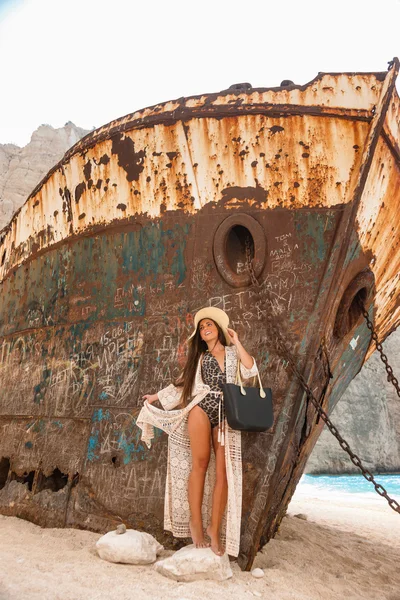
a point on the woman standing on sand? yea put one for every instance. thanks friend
(200, 484)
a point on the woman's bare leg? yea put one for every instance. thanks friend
(220, 496)
(199, 434)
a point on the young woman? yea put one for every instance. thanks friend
(200, 484)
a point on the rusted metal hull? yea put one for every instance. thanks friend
(141, 224)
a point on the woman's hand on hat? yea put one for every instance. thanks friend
(233, 336)
(150, 398)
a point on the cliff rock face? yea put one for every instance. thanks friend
(21, 169)
(368, 417)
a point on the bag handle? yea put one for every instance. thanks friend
(239, 379)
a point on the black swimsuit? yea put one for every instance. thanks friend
(214, 377)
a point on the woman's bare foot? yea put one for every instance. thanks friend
(216, 545)
(196, 531)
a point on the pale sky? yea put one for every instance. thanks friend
(91, 61)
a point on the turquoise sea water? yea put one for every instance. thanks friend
(349, 484)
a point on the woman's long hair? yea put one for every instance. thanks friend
(197, 347)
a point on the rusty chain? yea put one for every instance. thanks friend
(283, 351)
(390, 375)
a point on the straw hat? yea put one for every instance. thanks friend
(215, 314)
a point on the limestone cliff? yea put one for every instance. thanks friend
(21, 169)
(368, 417)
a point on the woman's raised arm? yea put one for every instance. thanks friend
(243, 355)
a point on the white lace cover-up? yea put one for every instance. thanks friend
(175, 424)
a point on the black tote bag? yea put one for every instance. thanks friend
(250, 408)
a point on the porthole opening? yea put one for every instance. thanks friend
(350, 311)
(355, 311)
(236, 241)
(229, 249)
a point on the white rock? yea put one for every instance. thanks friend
(192, 564)
(134, 547)
(257, 573)
(301, 516)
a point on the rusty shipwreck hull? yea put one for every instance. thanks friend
(142, 223)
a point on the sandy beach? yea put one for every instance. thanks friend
(349, 547)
